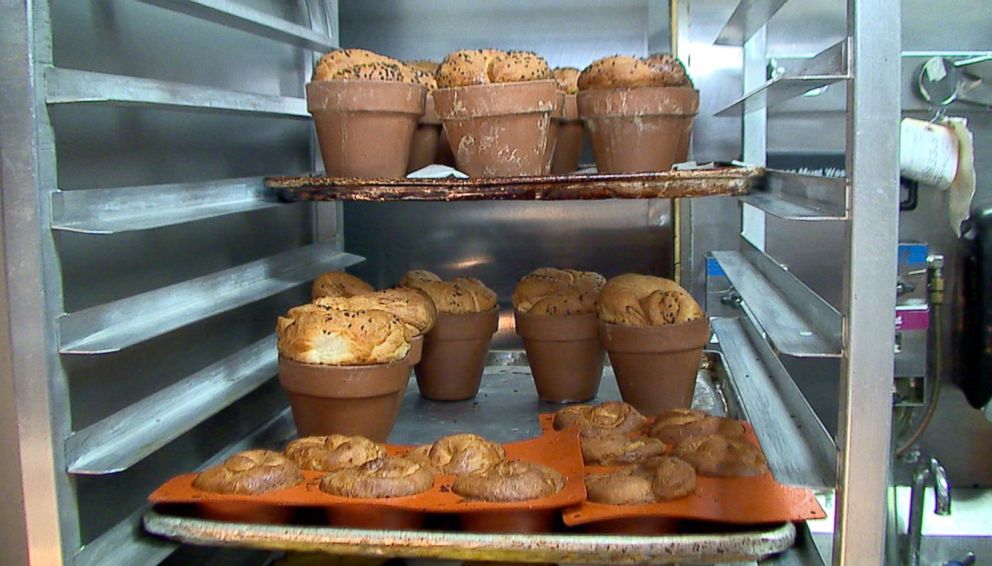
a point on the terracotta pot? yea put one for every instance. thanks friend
(638, 129)
(564, 354)
(443, 155)
(350, 400)
(365, 128)
(516, 521)
(416, 350)
(498, 130)
(568, 148)
(423, 148)
(371, 517)
(656, 366)
(240, 512)
(455, 355)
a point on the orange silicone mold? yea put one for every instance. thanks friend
(740, 501)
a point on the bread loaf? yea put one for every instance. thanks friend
(316, 335)
(645, 300)
(624, 71)
(424, 65)
(360, 64)
(469, 67)
(567, 79)
(250, 472)
(459, 296)
(414, 308)
(339, 284)
(334, 61)
(549, 291)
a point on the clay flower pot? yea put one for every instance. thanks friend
(638, 129)
(416, 350)
(568, 148)
(455, 355)
(365, 128)
(656, 365)
(350, 400)
(564, 354)
(423, 148)
(498, 130)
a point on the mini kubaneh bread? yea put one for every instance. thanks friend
(459, 296)
(339, 284)
(312, 334)
(360, 64)
(510, 481)
(644, 300)
(469, 67)
(421, 455)
(621, 487)
(465, 453)
(250, 472)
(716, 455)
(552, 291)
(660, 479)
(677, 425)
(334, 452)
(611, 417)
(624, 71)
(425, 65)
(567, 79)
(619, 449)
(385, 477)
(410, 305)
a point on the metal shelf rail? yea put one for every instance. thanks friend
(48, 451)
(781, 315)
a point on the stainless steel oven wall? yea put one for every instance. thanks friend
(163, 136)
(959, 435)
(501, 241)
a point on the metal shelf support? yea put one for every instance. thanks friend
(69, 86)
(124, 209)
(749, 17)
(800, 197)
(117, 325)
(125, 438)
(236, 16)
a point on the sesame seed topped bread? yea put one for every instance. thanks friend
(644, 300)
(459, 296)
(557, 291)
(334, 61)
(425, 65)
(567, 79)
(469, 67)
(378, 71)
(624, 71)
(360, 64)
(414, 308)
(316, 335)
(339, 284)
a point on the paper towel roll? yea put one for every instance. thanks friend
(928, 152)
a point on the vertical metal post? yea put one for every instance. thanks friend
(755, 129)
(30, 369)
(869, 295)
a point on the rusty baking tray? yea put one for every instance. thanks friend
(724, 180)
(505, 410)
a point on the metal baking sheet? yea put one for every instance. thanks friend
(595, 186)
(505, 410)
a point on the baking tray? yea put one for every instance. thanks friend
(732, 180)
(505, 410)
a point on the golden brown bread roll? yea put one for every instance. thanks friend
(425, 65)
(465, 453)
(671, 478)
(567, 79)
(715, 455)
(334, 61)
(386, 477)
(374, 72)
(421, 455)
(250, 472)
(621, 487)
(414, 308)
(518, 66)
(672, 70)
(619, 449)
(466, 67)
(619, 71)
(645, 300)
(334, 452)
(611, 417)
(510, 481)
(316, 335)
(557, 291)
(420, 77)
(459, 296)
(677, 425)
(339, 284)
